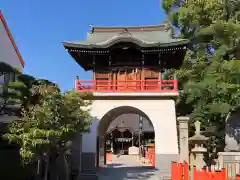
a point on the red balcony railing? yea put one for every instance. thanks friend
(126, 86)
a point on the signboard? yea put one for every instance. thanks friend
(123, 139)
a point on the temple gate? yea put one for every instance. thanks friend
(129, 67)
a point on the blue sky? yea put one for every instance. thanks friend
(39, 27)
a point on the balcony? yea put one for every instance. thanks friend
(160, 87)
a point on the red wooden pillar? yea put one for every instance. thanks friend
(185, 171)
(76, 83)
(175, 85)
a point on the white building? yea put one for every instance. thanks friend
(11, 62)
(10, 57)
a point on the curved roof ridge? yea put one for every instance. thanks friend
(140, 26)
(127, 36)
(107, 29)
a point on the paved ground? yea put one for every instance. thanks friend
(127, 168)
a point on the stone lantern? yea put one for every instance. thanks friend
(198, 141)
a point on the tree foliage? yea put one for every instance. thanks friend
(47, 118)
(209, 77)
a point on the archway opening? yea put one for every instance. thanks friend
(126, 131)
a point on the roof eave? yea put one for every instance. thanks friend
(68, 45)
(86, 68)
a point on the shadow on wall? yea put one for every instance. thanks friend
(127, 173)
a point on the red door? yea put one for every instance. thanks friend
(121, 80)
(131, 80)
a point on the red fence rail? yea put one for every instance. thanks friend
(126, 86)
(180, 171)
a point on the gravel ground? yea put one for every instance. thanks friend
(126, 167)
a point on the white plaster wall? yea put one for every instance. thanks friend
(160, 112)
(7, 51)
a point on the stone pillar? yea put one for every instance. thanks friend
(183, 138)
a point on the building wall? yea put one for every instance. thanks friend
(8, 52)
(163, 117)
(9, 55)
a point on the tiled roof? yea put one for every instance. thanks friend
(131, 121)
(144, 36)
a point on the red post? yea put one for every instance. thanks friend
(195, 174)
(224, 174)
(76, 83)
(142, 84)
(153, 159)
(180, 171)
(175, 174)
(160, 84)
(109, 157)
(175, 85)
(185, 171)
(150, 157)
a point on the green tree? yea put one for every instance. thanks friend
(44, 118)
(50, 123)
(209, 77)
(14, 97)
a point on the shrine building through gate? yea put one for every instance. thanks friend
(129, 65)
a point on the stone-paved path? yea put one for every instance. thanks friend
(127, 168)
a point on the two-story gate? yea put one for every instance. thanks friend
(128, 65)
